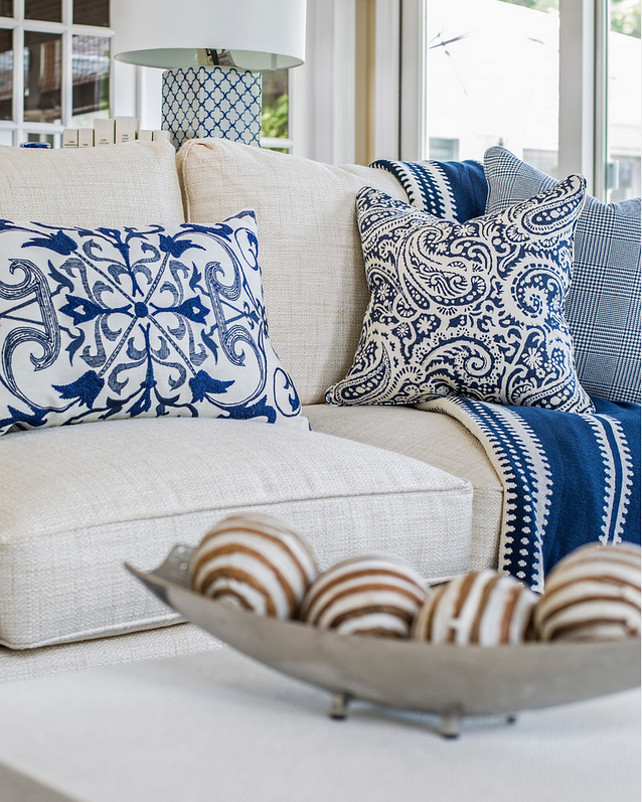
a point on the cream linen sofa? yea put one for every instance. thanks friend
(79, 500)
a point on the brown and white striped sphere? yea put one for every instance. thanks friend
(593, 594)
(486, 608)
(370, 595)
(256, 562)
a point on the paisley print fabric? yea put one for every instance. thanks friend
(474, 309)
(149, 322)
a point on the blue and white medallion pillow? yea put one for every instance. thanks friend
(111, 323)
(603, 303)
(472, 309)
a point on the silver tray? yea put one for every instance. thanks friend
(448, 681)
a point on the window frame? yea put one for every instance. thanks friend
(582, 137)
(20, 129)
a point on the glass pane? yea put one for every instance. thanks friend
(6, 8)
(624, 102)
(275, 104)
(90, 69)
(92, 12)
(44, 10)
(6, 74)
(43, 65)
(493, 78)
(49, 139)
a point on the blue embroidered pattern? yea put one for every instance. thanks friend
(122, 323)
(567, 479)
(473, 309)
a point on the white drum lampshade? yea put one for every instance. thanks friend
(214, 52)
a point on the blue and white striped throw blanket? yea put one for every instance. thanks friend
(568, 479)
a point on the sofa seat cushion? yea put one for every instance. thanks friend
(433, 438)
(77, 501)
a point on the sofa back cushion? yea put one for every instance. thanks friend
(114, 185)
(309, 246)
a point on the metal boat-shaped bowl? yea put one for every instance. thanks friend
(450, 681)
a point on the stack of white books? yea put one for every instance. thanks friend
(110, 131)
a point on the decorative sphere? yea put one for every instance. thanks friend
(370, 595)
(485, 608)
(593, 594)
(256, 562)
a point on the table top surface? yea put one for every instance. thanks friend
(217, 725)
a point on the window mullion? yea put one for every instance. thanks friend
(600, 154)
(67, 67)
(577, 70)
(414, 52)
(18, 70)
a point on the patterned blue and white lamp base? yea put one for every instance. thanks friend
(212, 102)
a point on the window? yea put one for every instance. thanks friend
(555, 81)
(492, 78)
(275, 124)
(52, 74)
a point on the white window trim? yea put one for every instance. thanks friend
(17, 126)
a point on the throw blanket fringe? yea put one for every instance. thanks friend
(568, 479)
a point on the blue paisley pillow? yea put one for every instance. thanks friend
(136, 322)
(470, 309)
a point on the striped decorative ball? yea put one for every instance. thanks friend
(365, 596)
(256, 562)
(486, 608)
(592, 594)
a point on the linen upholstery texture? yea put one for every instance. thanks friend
(163, 641)
(436, 439)
(129, 490)
(603, 303)
(112, 185)
(309, 247)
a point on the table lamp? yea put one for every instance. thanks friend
(213, 53)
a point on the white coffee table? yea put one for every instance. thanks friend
(217, 726)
